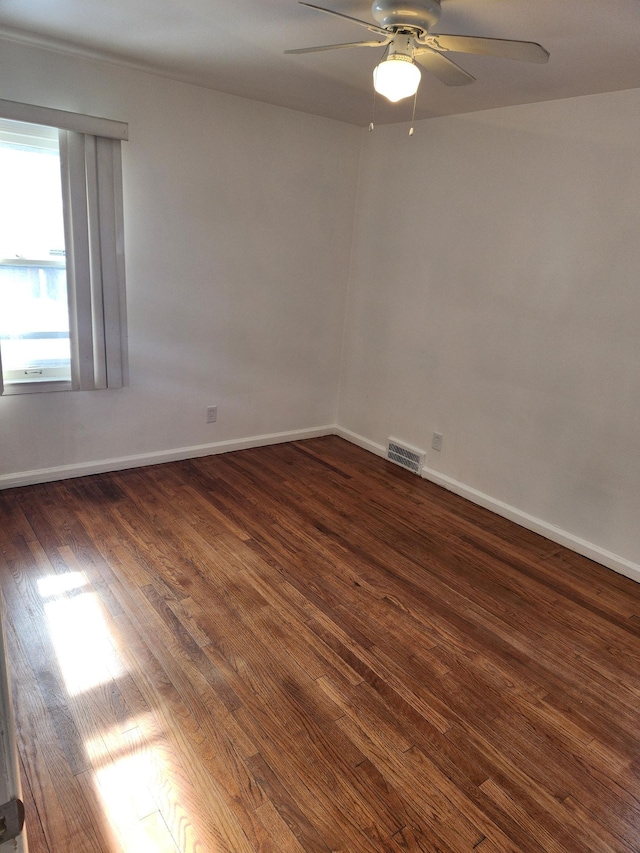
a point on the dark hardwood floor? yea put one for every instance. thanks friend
(304, 648)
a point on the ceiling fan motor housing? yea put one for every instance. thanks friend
(421, 14)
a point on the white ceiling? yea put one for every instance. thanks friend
(236, 46)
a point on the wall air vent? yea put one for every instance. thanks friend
(407, 457)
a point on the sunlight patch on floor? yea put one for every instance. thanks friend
(79, 633)
(57, 584)
(137, 777)
(141, 798)
(124, 784)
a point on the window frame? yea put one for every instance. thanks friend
(91, 171)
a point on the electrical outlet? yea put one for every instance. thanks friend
(436, 441)
(212, 414)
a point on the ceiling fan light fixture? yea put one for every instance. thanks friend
(397, 77)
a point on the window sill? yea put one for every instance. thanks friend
(36, 387)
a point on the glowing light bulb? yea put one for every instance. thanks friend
(397, 77)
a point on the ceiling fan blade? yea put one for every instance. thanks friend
(335, 46)
(528, 51)
(445, 69)
(372, 27)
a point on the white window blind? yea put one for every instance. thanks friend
(92, 200)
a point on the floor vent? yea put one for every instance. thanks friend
(408, 457)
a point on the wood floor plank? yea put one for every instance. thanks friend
(70, 820)
(37, 841)
(185, 790)
(305, 648)
(279, 833)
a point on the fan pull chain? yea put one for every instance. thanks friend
(413, 115)
(373, 108)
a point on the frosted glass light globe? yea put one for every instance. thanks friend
(397, 77)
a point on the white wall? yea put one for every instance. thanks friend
(239, 222)
(493, 293)
(495, 297)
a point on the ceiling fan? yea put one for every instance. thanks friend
(404, 27)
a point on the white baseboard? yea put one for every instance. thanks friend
(362, 442)
(550, 531)
(82, 469)
(537, 525)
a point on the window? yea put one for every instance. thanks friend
(62, 306)
(34, 315)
